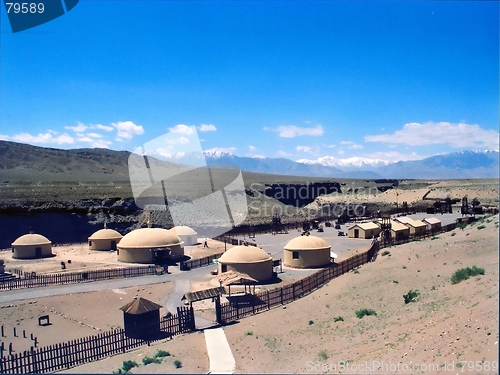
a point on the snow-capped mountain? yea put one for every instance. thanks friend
(348, 164)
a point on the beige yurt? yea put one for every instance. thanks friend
(187, 235)
(249, 260)
(307, 252)
(31, 246)
(150, 245)
(364, 230)
(104, 239)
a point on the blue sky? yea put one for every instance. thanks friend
(385, 80)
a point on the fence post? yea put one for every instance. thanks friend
(268, 305)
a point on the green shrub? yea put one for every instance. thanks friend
(338, 319)
(465, 273)
(395, 281)
(453, 234)
(416, 239)
(177, 363)
(249, 333)
(323, 355)
(434, 238)
(148, 360)
(481, 227)
(128, 365)
(161, 354)
(404, 267)
(311, 322)
(361, 313)
(410, 296)
(384, 253)
(461, 225)
(355, 271)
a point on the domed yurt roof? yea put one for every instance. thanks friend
(105, 234)
(307, 243)
(147, 238)
(244, 254)
(183, 230)
(31, 239)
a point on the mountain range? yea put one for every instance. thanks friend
(22, 161)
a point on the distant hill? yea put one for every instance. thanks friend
(32, 163)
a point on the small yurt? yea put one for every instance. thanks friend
(249, 260)
(31, 246)
(187, 235)
(150, 245)
(104, 239)
(364, 230)
(417, 227)
(307, 252)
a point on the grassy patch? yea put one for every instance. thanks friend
(249, 333)
(461, 225)
(465, 273)
(395, 281)
(410, 296)
(415, 239)
(434, 238)
(127, 366)
(177, 363)
(384, 253)
(355, 271)
(323, 355)
(147, 360)
(161, 354)
(481, 227)
(453, 234)
(361, 313)
(338, 319)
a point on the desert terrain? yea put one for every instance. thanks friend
(452, 326)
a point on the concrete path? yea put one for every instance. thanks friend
(219, 353)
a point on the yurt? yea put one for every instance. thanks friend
(249, 260)
(307, 252)
(31, 246)
(104, 239)
(150, 245)
(187, 235)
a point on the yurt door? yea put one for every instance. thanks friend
(356, 233)
(38, 252)
(113, 245)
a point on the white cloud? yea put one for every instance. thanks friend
(303, 149)
(94, 135)
(101, 144)
(103, 127)
(182, 129)
(4, 137)
(127, 130)
(47, 138)
(207, 128)
(351, 145)
(252, 148)
(85, 139)
(78, 128)
(341, 152)
(459, 135)
(329, 146)
(258, 157)
(292, 131)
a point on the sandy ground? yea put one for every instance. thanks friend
(72, 316)
(484, 190)
(84, 259)
(445, 325)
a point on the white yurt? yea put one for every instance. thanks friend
(187, 235)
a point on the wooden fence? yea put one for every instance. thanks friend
(92, 348)
(201, 262)
(241, 306)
